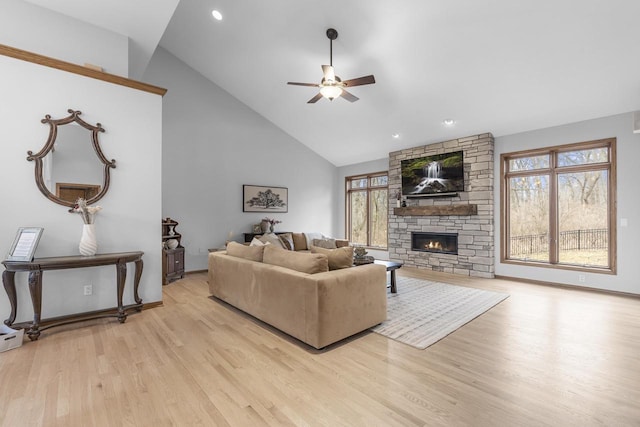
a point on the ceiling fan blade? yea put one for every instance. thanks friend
(303, 84)
(349, 96)
(366, 80)
(328, 72)
(314, 99)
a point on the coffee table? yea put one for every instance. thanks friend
(391, 266)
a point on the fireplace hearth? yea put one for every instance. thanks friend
(443, 243)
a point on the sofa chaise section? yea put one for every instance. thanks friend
(318, 309)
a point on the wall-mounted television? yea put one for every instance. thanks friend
(436, 175)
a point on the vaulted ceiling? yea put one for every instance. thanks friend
(499, 66)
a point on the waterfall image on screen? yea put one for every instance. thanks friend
(433, 175)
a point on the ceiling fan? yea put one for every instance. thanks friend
(331, 86)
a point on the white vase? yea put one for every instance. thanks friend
(88, 243)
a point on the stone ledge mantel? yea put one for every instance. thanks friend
(444, 210)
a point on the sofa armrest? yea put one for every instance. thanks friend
(349, 301)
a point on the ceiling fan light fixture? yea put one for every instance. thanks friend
(331, 92)
(216, 14)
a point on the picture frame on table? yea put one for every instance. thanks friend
(260, 198)
(25, 244)
(257, 229)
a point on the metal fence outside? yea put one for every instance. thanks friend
(569, 240)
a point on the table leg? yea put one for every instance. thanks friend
(8, 280)
(35, 288)
(393, 282)
(121, 268)
(136, 282)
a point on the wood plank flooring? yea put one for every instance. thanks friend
(544, 357)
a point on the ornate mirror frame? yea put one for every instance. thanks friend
(48, 147)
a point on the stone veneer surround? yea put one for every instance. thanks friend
(475, 232)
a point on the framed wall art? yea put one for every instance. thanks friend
(258, 198)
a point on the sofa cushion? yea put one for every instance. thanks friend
(287, 240)
(253, 253)
(298, 261)
(299, 242)
(326, 243)
(273, 239)
(338, 258)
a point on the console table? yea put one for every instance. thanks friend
(40, 265)
(248, 237)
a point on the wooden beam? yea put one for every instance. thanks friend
(445, 210)
(78, 69)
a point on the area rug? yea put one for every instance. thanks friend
(424, 312)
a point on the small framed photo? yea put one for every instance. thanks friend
(257, 228)
(25, 244)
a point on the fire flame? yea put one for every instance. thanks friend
(433, 245)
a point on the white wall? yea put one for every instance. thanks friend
(35, 29)
(379, 165)
(628, 150)
(130, 219)
(213, 144)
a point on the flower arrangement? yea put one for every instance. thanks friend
(272, 221)
(87, 212)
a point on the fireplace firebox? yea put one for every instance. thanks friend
(443, 243)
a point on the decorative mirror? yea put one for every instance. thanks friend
(71, 163)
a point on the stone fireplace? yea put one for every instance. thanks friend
(467, 218)
(442, 243)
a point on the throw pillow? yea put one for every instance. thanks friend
(325, 243)
(273, 239)
(256, 242)
(310, 236)
(299, 242)
(340, 243)
(253, 253)
(338, 258)
(287, 240)
(303, 262)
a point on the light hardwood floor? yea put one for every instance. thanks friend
(545, 356)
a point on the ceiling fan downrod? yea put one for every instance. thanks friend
(332, 34)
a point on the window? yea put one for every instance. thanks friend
(558, 206)
(367, 209)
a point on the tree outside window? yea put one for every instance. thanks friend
(558, 206)
(367, 209)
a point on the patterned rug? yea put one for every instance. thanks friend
(423, 312)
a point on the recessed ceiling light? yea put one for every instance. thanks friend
(216, 14)
(448, 122)
(395, 135)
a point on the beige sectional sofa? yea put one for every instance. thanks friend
(297, 293)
